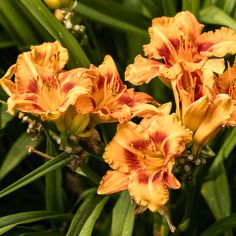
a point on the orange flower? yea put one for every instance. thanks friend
(142, 158)
(226, 83)
(178, 41)
(111, 101)
(39, 86)
(186, 67)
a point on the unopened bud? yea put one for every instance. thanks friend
(79, 124)
(55, 4)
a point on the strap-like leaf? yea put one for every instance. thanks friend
(10, 221)
(221, 226)
(89, 224)
(17, 153)
(58, 31)
(51, 165)
(214, 15)
(85, 213)
(113, 14)
(123, 216)
(216, 188)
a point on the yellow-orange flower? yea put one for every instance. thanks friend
(186, 66)
(178, 41)
(40, 87)
(142, 158)
(111, 101)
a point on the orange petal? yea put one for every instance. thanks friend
(85, 104)
(125, 151)
(73, 85)
(148, 110)
(217, 114)
(166, 34)
(143, 70)
(25, 103)
(109, 71)
(169, 179)
(211, 67)
(225, 82)
(168, 134)
(148, 190)
(195, 113)
(8, 86)
(142, 109)
(218, 43)
(113, 182)
(120, 113)
(50, 55)
(232, 120)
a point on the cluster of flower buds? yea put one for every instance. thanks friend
(63, 11)
(34, 127)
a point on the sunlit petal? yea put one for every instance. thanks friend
(195, 113)
(143, 70)
(166, 34)
(50, 55)
(217, 114)
(168, 134)
(112, 182)
(218, 43)
(148, 190)
(124, 152)
(8, 86)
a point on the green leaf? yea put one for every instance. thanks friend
(169, 7)
(192, 6)
(214, 15)
(17, 153)
(4, 116)
(89, 224)
(49, 166)
(15, 23)
(8, 43)
(54, 190)
(221, 226)
(83, 214)
(113, 14)
(86, 171)
(42, 234)
(121, 222)
(216, 190)
(129, 221)
(44, 17)
(226, 5)
(10, 221)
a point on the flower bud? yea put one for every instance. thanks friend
(55, 4)
(79, 124)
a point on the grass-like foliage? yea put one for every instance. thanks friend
(114, 124)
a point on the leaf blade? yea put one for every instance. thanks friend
(49, 166)
(10, 221)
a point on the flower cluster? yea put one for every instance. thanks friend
(141, 155)
(192, 64)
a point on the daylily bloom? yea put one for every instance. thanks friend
(142, 157)
(40, 87)
(179, 43)
(111, 101)
(186, 67)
